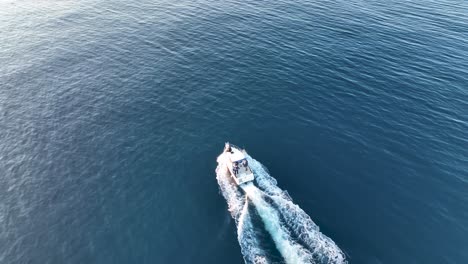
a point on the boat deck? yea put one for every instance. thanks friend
(243, 170)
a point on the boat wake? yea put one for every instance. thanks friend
(296, 237)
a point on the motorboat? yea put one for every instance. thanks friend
(237, 164)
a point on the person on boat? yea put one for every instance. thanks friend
(235, 168)
(228, 148)
(244, 163)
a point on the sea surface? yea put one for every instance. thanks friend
(113, 113)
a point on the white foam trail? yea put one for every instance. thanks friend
(323, 249)
(250, 247)
(238, 207)
(291, 251)
(296, 236)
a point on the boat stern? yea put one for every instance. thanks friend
(244, 178)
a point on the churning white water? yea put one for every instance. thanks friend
(296, 237)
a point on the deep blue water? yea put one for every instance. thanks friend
(112, 114)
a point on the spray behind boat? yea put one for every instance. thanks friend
(296, 237)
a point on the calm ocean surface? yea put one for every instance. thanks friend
(112, 114)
